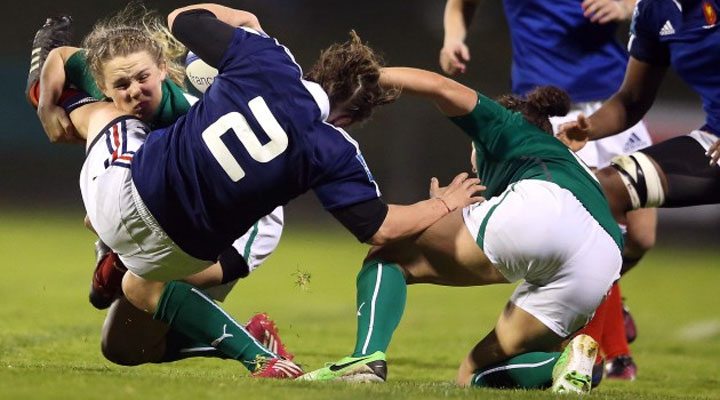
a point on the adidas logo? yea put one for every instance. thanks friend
(633, 143)
(667, 29)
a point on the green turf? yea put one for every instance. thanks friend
(49, 334)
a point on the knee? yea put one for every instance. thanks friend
(615, 192)
(142, 293)
(638, 243)
(118, 354)
(465, 374)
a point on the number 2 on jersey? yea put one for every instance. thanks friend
(236, 122)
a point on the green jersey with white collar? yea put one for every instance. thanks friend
(510, 149)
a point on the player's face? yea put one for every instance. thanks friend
(340, 117)
(133, 82)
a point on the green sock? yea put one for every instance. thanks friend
(381, 294)
(191, 313)
(179, 347)
(524, 371)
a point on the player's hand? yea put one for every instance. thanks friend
(574, 134)
(453, 58)
(57, 124)
(714, 152)
(461, 192)
(604, 11)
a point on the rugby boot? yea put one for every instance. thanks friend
(262, 328)
(621, 367)
(54, 33)
(371, 368)
(573, 371)
(277, 368)
(629, 322)
(106, 284)
(598, 371)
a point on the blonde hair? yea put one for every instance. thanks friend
(134, 29)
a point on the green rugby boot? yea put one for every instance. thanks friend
(573, 371)
(372, 368)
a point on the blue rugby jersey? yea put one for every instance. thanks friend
(686, 35)
(254, 141)
(554, 44)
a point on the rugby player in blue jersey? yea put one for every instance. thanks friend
(684, 35)
(572, 44)
(129, 336)
(169, 203)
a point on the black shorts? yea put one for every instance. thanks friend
(691, 180)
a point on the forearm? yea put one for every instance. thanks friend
(451, 97)
(456, 19)
(631, 102)
(610, 119)
(227, 15)
(52, 75)
(404, 221)
(628, 6)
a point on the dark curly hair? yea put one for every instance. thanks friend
(349, 73)
(538, 105)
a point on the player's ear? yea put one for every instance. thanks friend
(103, 87)
(163, 71)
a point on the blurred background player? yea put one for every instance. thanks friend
(572, 44)
(681, 171)
(130, 336)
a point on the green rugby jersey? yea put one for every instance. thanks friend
(172, 105)
(510, 149)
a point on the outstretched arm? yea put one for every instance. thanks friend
(227, 15)
(455, 53)
(451, 97)
(403, 221)
(208, 29)
(625, 108)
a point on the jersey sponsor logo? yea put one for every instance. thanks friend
(667, 29)
(709, 12)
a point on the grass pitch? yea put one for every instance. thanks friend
(49, 334)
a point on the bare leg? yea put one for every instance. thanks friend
(616, 193)
(445, 254)
(641, 229)
(142, 293)
(131, 336)
(516, 332)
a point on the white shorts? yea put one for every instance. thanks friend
(540, 232)
(598, 153)
(255, 246)
(122, 221)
